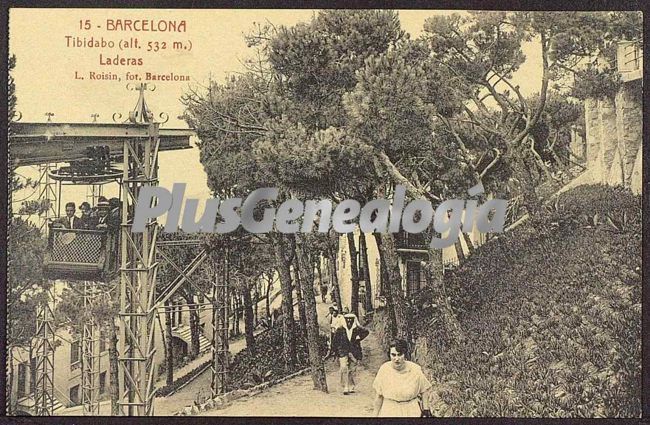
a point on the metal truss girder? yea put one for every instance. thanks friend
(183, 276)
(186, 242)
(40, 143)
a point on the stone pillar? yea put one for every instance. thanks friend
(592, 130)
(578, 145)
(608, 135)
(629, 127)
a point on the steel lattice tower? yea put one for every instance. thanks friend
(137, 141)
(138, 272)
(44, 391)
(89, 355)
(47, 193)
(219, 367)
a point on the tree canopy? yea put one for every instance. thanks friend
(348, 105)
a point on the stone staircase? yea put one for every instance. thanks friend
(28, 404)
(183, 332)
(57, 405)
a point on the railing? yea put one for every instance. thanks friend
(76, 253)
(411, 241)
(629, 58)
(76, 246)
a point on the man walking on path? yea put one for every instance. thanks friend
(347, 344)
(297, 397)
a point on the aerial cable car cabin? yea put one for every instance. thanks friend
(94, 153)
(85, 254)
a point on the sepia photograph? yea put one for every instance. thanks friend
(324, 213)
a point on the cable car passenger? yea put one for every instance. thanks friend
(104, 219)
(95, 208)
(70, 221)
(115, 206)
(86, 219)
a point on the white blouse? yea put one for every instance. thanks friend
(401, 385)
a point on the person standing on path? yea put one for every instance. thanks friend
(347, 343)
(336, 321)
(401, 386)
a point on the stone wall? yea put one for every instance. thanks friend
(614, 133)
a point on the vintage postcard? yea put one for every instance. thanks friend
(324, 213)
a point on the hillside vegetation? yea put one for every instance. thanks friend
(552, 316)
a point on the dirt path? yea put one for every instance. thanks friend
(166, 406)
(297, 397)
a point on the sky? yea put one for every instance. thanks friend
(46, 68)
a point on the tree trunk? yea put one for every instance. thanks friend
(249, 320)
(365, 272)
(169, 351)
(255, 302)
(448, 319)
(114, 370)
(239, 315)
(32, 370)
(468, 242)
(354, 272)
(459, 251)
(268, 299)
(235, 300)
(313, 335)
(302, 322)
(392, 322)
(242, 311)
(233, 307)
(336, 291)
(323, 288)
(284, 270)
(195, 330)
(395, 293)
(521, 171)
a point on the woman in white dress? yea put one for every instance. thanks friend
(401, 386)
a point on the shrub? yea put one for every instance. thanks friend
(595, 204)
(169, 389)
(247, 370)
(552, 316)
(381, 328)
(266, 364)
